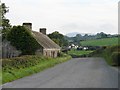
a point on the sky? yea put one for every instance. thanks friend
(66, 16)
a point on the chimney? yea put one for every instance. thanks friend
(28, 26)
(43, 31)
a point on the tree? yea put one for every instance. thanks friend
(101, 35)
(23, 40)
(58, 39)
(5, 22)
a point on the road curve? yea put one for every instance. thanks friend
(75, 73)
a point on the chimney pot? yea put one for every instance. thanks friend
(28, 26)
(43, 30)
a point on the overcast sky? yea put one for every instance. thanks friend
(65, 16)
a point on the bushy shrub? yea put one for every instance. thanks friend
(116, 58)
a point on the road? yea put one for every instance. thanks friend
(75, 73)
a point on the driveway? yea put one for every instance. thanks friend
(75, 73)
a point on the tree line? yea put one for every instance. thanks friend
(78, 38)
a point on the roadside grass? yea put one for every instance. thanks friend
(100, 42)
(11, 73)
(79, 53)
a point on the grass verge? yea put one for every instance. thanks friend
(12, 72)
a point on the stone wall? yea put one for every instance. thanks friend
(39, 51)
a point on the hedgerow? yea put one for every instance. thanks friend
(111, 54)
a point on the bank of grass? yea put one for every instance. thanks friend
(79, 53)
(111, 54)
(19, 67)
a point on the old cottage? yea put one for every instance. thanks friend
(48, 47)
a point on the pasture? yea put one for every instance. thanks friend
(79, 53)
(100, 42)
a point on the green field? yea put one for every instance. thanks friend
(100, 42)
(77, 53)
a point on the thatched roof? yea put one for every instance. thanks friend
(45, 41)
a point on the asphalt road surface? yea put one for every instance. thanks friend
(76, 73)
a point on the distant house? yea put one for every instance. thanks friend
(73, 46)
(48, 47)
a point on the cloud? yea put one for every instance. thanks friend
(65, 15)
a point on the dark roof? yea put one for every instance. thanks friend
(45, 41)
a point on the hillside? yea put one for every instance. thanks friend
(100, 42)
